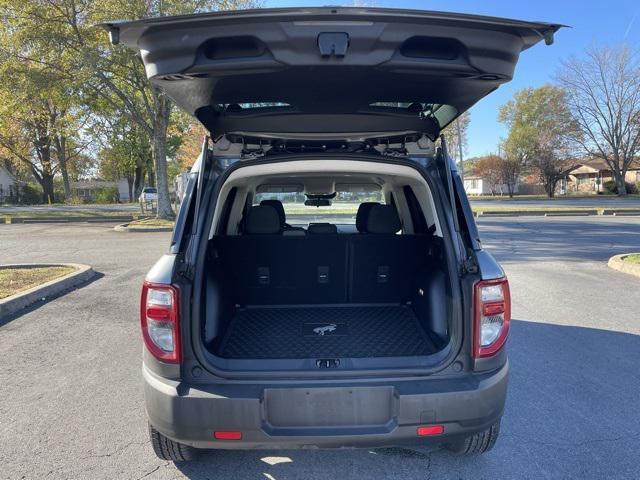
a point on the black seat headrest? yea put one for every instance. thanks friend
(322, 229)
(277, 204)
(262, 220)
(363, 215)
(383, 219)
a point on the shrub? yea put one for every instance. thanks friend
(58, 196)
(610, 187)
(106, 195)
(74, 201)
(30, 195)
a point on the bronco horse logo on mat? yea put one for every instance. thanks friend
(322, 330)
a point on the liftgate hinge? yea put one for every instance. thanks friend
(469, 265)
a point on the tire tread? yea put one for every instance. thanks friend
(167, 449)
(478, 443)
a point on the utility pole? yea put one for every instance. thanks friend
(460, 150)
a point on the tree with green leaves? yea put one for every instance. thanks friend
(118, 74)
(127, 155)
(27, 132)
(541, 129)
(107, 76)
(40, 116)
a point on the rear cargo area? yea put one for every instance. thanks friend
(355, 331)
(275, 297)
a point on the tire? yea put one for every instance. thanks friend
(476, 444)
(167, 449)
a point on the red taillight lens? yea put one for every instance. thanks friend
(491, 316)
(160, 321)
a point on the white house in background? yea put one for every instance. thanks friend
(123, 191)
(8, 185)
(476, 185)
(86, 189)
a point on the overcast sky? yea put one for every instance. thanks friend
(609, 22)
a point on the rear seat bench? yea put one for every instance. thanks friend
(266, 267)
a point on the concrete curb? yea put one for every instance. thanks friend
(52, 288)
(510, 213)
(617, 263)
(627, 212)
(126, 228)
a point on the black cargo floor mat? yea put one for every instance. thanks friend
(325, 332)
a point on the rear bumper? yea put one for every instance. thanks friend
(285, 416)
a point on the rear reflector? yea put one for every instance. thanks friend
(227, 435)
(430, 430)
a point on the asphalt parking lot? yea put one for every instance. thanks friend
(71, 399)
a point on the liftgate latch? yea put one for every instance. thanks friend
(328, 363)
(333, 44)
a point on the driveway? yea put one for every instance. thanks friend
(72, 401)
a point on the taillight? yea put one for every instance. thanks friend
(491, 316)
(160, 321)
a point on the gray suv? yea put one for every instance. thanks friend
(325, 284)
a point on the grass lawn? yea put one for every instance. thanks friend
(152, 223)
(633, 258)
(18, 279)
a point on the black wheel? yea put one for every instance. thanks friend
(476, 444)
(167, 449)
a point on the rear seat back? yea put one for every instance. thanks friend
(283, 270)
(384, 267)
(262, 220)
(322, 229)
(267, 268)
(362, 215)
(284, 226)
(384, 264)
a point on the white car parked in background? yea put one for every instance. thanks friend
(148, 199)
